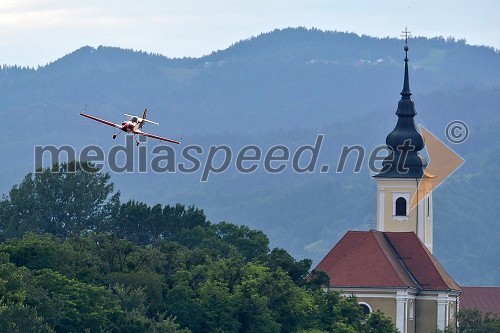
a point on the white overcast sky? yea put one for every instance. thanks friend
(36, 32)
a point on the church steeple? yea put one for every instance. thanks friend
(406, 83)
(404, 141)
(402, 173)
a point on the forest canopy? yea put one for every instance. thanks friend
(73, 258)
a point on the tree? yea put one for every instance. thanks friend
(317, 279)
(15, 315)
(474, 321)
(250, 243)
(67, 198)
(22, 319)
(131, 222)
(134, 304)
(297, 270)
(13, 282)
(81, 306)
(378, 322)
(41, 251)
(137, 268)
(152, 283)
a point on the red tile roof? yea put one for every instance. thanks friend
(486, 299)
(384, 260)
(420, 262)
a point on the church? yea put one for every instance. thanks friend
(392, 268)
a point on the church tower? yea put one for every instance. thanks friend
(404, 201)
(392, 269)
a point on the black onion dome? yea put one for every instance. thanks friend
(404, 141)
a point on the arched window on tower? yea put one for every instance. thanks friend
(400, 206)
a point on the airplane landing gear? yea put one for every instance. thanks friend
(114, 135)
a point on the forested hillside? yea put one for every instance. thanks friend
(74, 258)
(280, 88)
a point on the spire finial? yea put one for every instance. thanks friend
(406, 34)
(406, 84)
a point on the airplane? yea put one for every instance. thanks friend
(133, 125)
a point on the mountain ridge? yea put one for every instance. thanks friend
(281, 88)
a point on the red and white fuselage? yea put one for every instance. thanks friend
(132, 126)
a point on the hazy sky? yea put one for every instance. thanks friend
(35, 32)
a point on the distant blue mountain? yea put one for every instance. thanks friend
(282, 87)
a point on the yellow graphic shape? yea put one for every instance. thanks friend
(443, 161)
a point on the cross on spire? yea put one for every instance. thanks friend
(406, 34)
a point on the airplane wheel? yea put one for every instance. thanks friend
(114, 136)
(137, 142)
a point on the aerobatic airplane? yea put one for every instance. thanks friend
(132, 126)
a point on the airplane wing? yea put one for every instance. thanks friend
(156, 137)
(100, 120)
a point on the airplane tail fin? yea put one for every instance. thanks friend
(143, 117)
